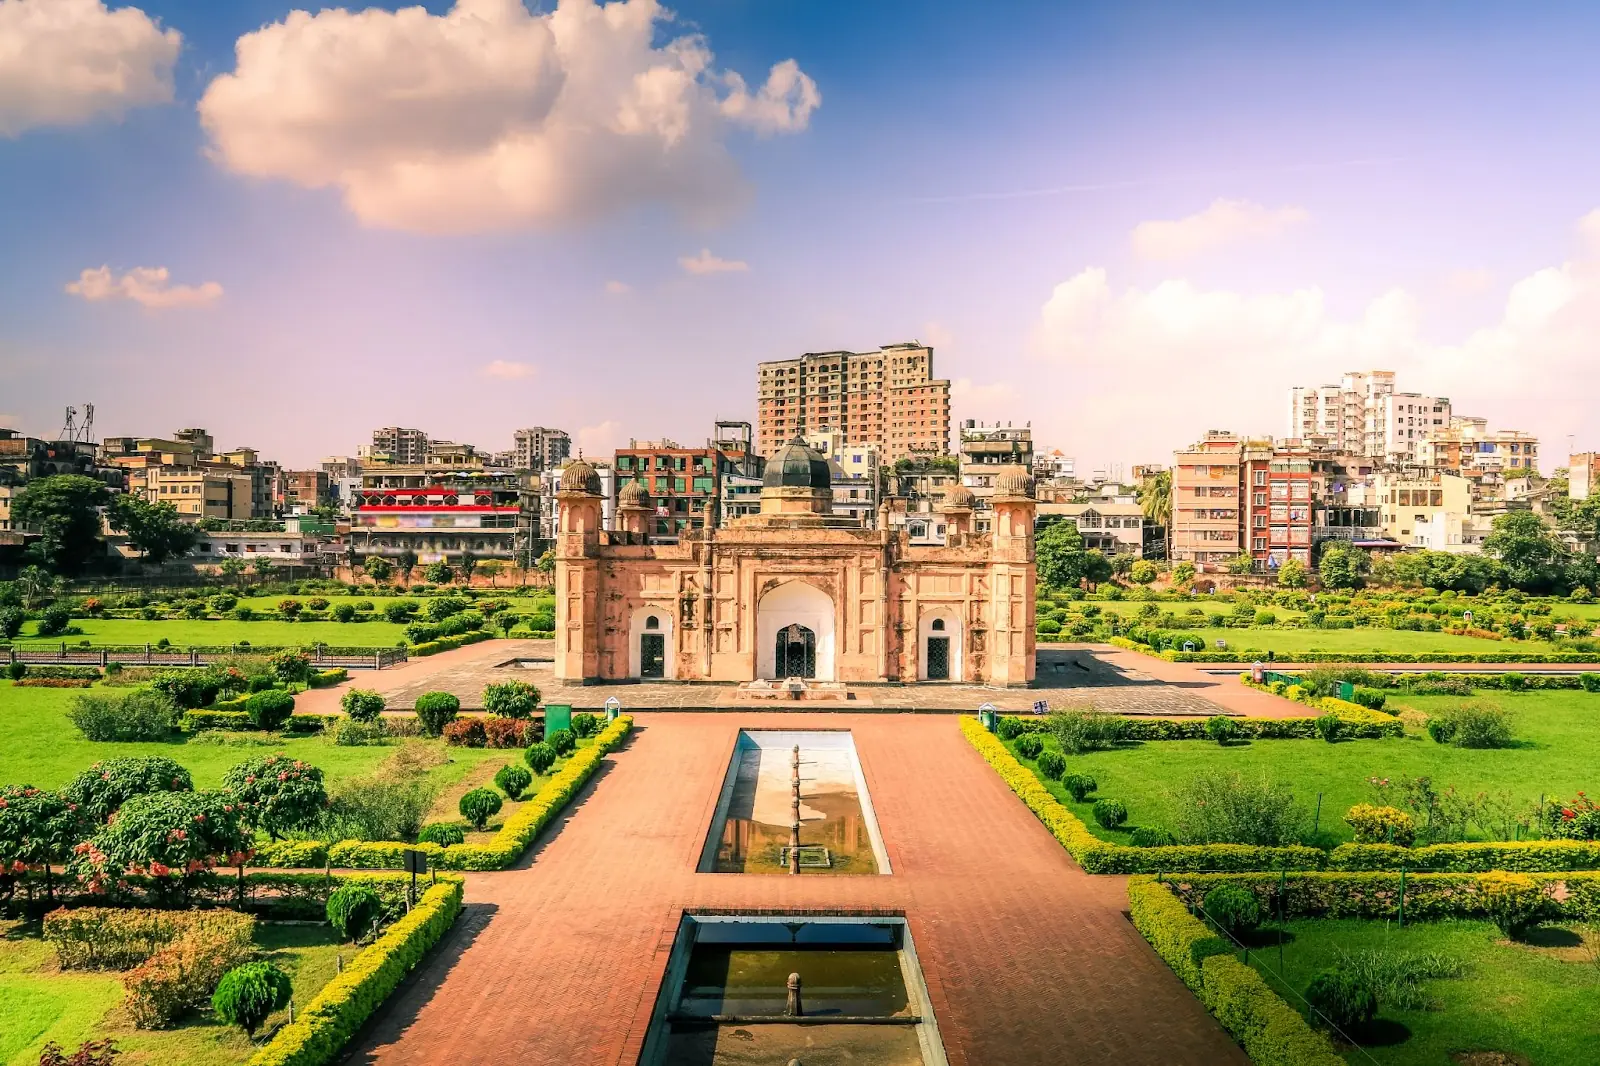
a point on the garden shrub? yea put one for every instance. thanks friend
(1029, 745)
(11, 619)
(1441, 729)
(513, 780)
(346, 732)
(511, 699)
(1220, 807)
(1381, 825)
(479, 805)
(465, 733)
(353, 909)
(1233, 909)
(1009, 728)
(1329, 726)
(587, 725)
(1079, 785)
(505, 732)
(1221, 729)
(280, 794)
(562, 741)
(142, 714)
(1590, 682)
(17, 671)
(398, 611)
(436, 710)
(54, 620)
(182, 975)
(1079, 731)
(539, 757)
(1514, 902)
(248, 994)
(343, 612)
(442, 833)
(389, 804)
(1476, 725)
(1341, 1000)
(104, 787)
(1574, 819)
(361, 704)
(269, 709)
(1110, 813)
(189, 688)
(1370, 698)
(1052, 764)
(1152, 836)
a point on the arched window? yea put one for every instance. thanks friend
(938, 625)
(652, 622)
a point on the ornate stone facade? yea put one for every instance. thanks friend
(794, 591)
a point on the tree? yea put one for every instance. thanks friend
(35, 585)
(1292, 575)
(1343, 565)
(248, 994)
(167, 833)
(491, 568)
(104, 787)
(547, 562)
(1121, 564)
(378, 568)
(1142, 572)
(1183, 573)
(232, 568)
(155, 529)
(1241, 564)
(469, 563)
(1062, 559)
(262, 566)
(439, 573)
(511, 699)
(407, 562)
(65, 511)
(1533, 555)
(37, 826)
(1155, 498)
(279, 794)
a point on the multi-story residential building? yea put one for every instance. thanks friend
(741, 496)
(442, 512)
(1423, 509)
(679, 480)
(1467, 446)
(265, 479)
(214, 490)
(538, 448)
(855, 470)
(305, 490)
(1281, 488)
(1350, 416)
(1205, 500)
(888, 398)
(403, 447)
(986, 451)
(294, 548)
(201, 442)
(550, 485)
(1112, 528)
(1583, 475)
(1053, 466)
(1408, 417)
(341, 466)
(919, 487)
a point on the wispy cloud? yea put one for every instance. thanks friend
(1224, 222)
(706, 263)
(600, 440)
(618, 288)
(508, 371)
(147, 286)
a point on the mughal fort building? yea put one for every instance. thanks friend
(794, 592)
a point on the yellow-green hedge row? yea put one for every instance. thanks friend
(335, 1014)
(1346, 711)
(519, 830)
(1271, 1032)
(434, 647)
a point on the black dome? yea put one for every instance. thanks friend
(797, 466)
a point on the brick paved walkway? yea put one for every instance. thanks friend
(1028, 960)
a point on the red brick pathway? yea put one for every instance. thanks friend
(1028, 960)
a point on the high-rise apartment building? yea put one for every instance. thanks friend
(887, 398)
(403, 447)
(1350, 415)
(1407, 418)
(538, 448)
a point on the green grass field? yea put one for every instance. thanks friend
(41, 1003)
(273, 633)
(1363, 640)
(1558, 754)
(39, 746)
(1536, 1000)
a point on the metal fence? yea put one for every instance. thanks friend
(322, 656)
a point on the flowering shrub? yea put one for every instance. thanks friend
(1574, 819)
(166, 834)
(181, 976)
(1381, 825)
(36, 826)
(292, 667)
(278, 793)
(109, 783)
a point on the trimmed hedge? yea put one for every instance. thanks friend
(335, 1014)
(507, 845)
(292, 853)
(434, 647)
(328, 678)
(1366, 721)
(1240, 655)
(1271, 1032)
(1102, 857)
(196, 721)
(1521, 856)
(1249, 728)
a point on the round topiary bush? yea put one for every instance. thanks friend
(354, 908)
(1110, 813)
(1052, 764)
(1329, 727)
(1079, 785)
(441, 833)
(511, 699)
(1152, 836)
(513, 780)
(586, 725)
(435, 710)
(248, 994)
(479, 805)
(562, 741)
(539, 757)
(1029, 745)
(1233, 909)
(1341, 1000)
(1008, 728)
(269, 709)
(362, 704)
(1221, 728)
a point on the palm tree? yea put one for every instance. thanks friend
(1155, 500)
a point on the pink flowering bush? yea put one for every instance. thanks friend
(37, 826)
(166, 834)
(110, 783)
(279, 793)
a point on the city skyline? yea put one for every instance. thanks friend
(1096, 201)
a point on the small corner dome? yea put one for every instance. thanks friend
(797, 466)
(958, 498)
(579, 476)
(634, 494)
(1014, 481)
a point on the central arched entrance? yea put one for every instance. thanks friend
(794, 633)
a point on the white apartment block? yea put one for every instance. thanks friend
(855, 475)
(1349, 415)
(1407, 419)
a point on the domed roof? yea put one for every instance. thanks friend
(579, 476)
(634, 494)
(1014, 481)
(797, 466)
(958, 498)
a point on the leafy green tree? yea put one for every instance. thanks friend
(1343, 565)
(469, 563)
(491, 568)
(1062, 559)
(1183, 573)
(261, 566)
(378, 568)
(1142, 572)
(1292, 575)
(1532, 553)
(1155, 499)
(279, 794)
(155, 529)
(439, 573)
(407, 562)
(35, 585)
(511, 699)
(1241, 564)
(104, 787)
(65, 511)
(547, 561)
(37, 826)
(232, 568)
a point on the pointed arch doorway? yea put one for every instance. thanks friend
(796, 652)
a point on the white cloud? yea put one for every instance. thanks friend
(489, 116)
(148, 286)
(936, 335)
(64, 62)
(509, 371)
(600, 441)
(1468, 282)
(1131, 367)
(1224, 222)
(706, 263)
(995, 401)
(618, 288)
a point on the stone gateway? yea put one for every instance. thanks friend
(794, 591)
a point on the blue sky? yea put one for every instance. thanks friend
(1342, 187)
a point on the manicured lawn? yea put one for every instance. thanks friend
(1558, 754)
(39, 746)
(1537, 1002)
(40, 1003)
(1363, 640)
(270, 633)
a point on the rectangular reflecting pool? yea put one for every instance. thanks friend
(774, 990)
(753, 828)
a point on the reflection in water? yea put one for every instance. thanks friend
(728, 979)
(779, 1045)
(756, 828)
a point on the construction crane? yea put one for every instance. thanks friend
(73, 431)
